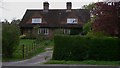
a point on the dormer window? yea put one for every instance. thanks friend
(36, 20)
(72, 20)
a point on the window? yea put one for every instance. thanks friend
(36, 20)
(66, 31)
(44, 31)
(72, 20)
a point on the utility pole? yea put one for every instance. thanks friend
(118, 17)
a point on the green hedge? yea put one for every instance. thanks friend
(10, 39)
(85, 48)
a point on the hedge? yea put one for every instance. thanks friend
(85, 48)
(10, 39)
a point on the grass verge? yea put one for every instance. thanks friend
(88, 62)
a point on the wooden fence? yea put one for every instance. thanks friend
(29, 50)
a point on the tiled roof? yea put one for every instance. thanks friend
(55, 16)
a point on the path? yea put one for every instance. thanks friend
(39, 59)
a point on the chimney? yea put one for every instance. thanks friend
(46, 6)
(68, 6)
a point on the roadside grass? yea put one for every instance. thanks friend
(85, 62)
(18, 54)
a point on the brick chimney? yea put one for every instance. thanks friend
(46, 6)
(68, 6)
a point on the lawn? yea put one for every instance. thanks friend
(26, 41)
(88, 62)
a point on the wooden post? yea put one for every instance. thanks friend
(34, 46)
(23, 51)
(26, 48)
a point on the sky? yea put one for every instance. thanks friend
(15, 9)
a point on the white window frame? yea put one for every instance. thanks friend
(44, 31)
(66, 31)
(72, 20)
(36, 20)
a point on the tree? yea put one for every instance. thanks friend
(87, 28)
(89, 6)
(15, 21)
(5, 21)
(106, 18)
(10, 39)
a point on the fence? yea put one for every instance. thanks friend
(29, 50)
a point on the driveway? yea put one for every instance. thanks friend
(39, 59)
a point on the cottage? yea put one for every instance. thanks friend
(50, 20)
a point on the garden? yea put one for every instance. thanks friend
(16, 48)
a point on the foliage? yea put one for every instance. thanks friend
(58, 32)
(28, 36)
(86, 48)
(75, 31)
(106, 18)
(40, 38)
(15, 22)
(98, 34)
(87, 27)
(10, 39)
(31, 34)
(69, 48)
(92, 62)
(89, 6)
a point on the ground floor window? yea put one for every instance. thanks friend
(66, 31)
(44, 31)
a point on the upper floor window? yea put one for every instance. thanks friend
(72, 20)
(36, 20)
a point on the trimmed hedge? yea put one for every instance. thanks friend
(86, 48)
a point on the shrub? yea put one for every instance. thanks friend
(99, 34)
(87, 27)
(104, 49)
(69, 48)
(29, 36)
(75, 31)
(10, 39)
(86, 48)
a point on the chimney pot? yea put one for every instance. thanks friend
(46, 6)
(69, 5)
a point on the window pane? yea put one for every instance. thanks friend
(36, 20)
(66, 31)
(72, 20)
(44, 31)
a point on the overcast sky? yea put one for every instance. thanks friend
(15, 9)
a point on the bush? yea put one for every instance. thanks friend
(75, 31)
(87, 27)
(99, 34)
(104, 49)
(69, 48)
(86, 48)
(10, 39)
